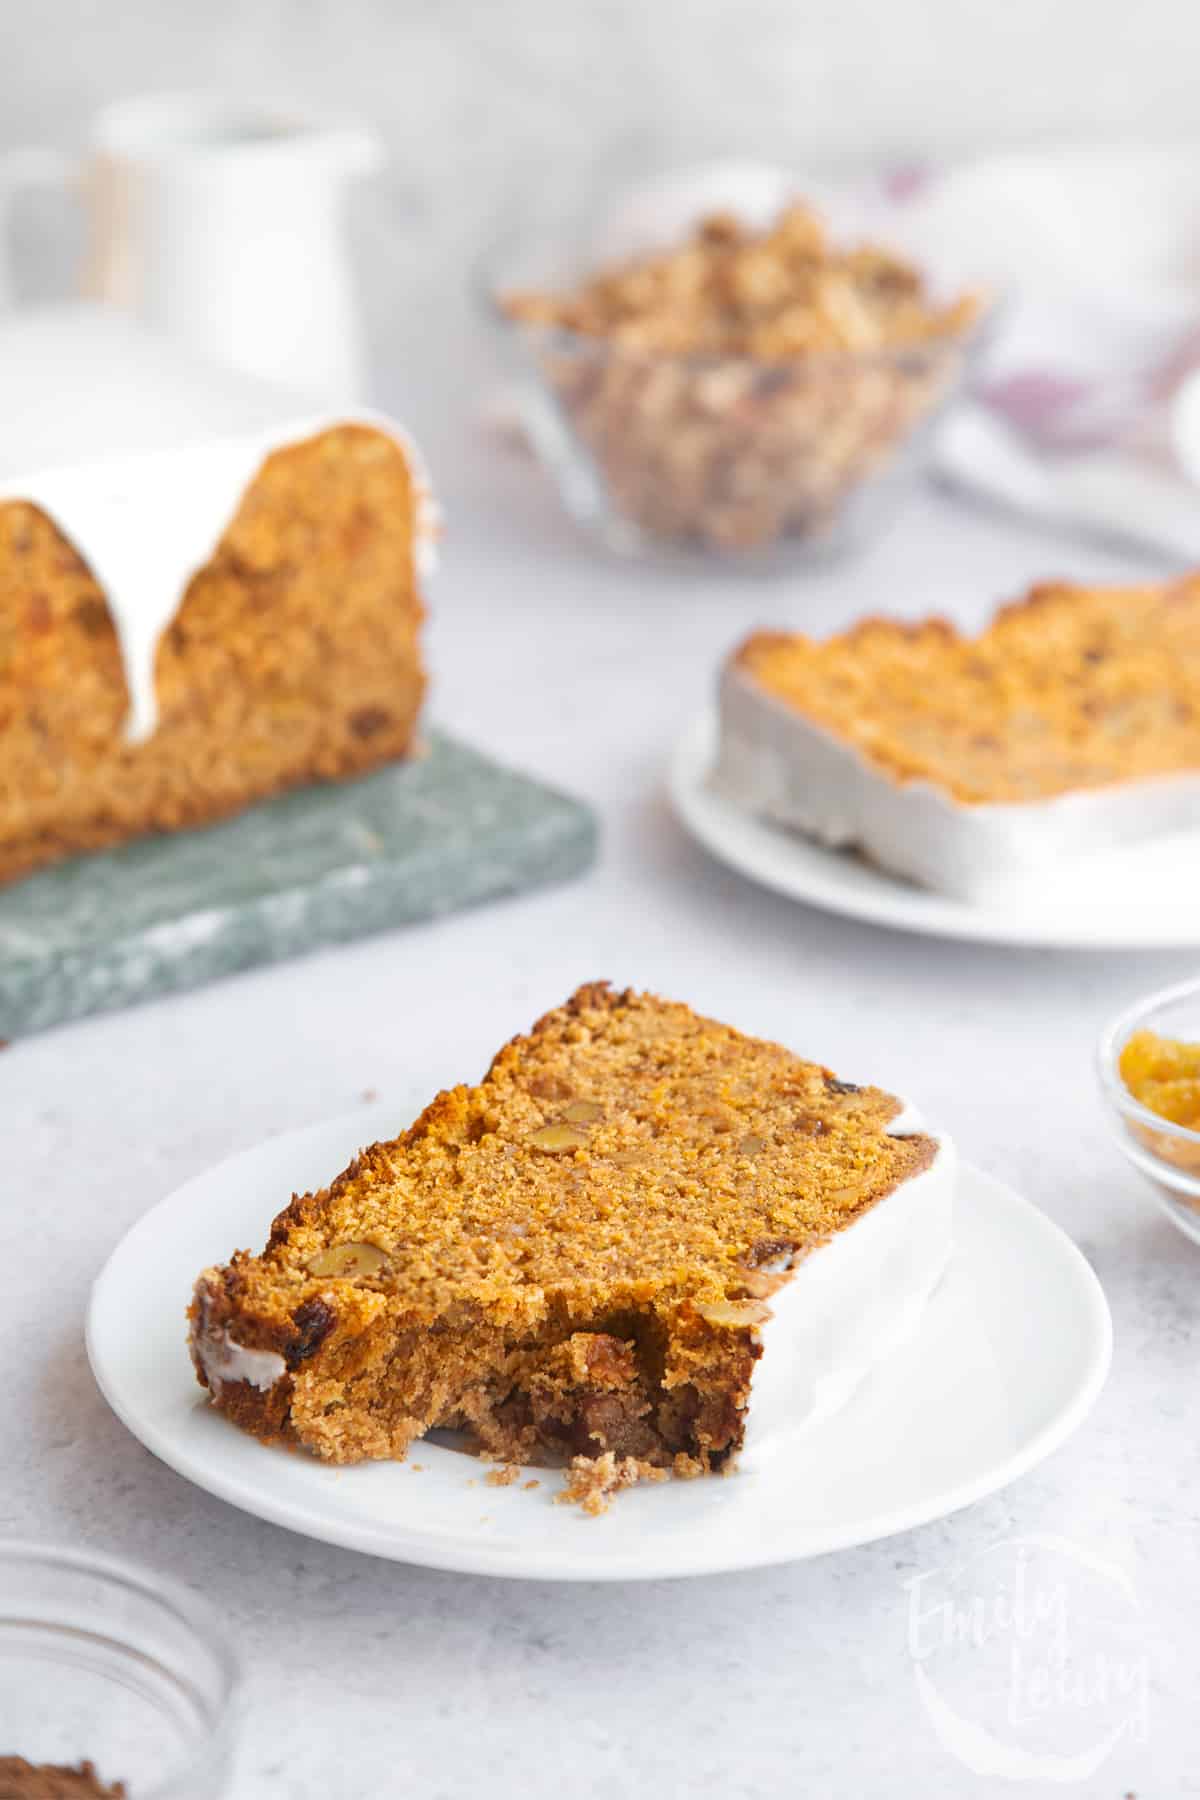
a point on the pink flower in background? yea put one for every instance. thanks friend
(1036, 400)
(905, 181)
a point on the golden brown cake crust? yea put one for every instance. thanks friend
(1069, 688)
(293, 658)
(23, 1780)
(574, 1256)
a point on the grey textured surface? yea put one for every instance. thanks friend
(320, 866)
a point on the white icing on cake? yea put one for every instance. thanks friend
(775, 763)
(145, 523)
(223, 1360)
(851, 1302)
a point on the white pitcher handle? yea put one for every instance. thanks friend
(24, 168)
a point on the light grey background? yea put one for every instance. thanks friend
(458, 81)
(470, 91)
(488, 106)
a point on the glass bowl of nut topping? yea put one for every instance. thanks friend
(708, 366)
(1149, 1066)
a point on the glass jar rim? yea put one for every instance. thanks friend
(197, 1617)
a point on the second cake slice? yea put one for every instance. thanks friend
(1070, 725)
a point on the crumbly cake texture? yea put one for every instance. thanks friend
(293, 658)
(593, 1482)
(1070, 688)
(573, 1258)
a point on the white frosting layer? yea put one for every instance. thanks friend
(773, 762)
(850, 1303)
(223, 1360)
(145, 523)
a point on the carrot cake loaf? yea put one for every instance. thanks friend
(585, 1254)
(183, 634)
(1071, 724)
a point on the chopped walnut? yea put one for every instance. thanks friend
(735, 389)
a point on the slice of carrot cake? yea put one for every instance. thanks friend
(585, 1253)
(1071, 724)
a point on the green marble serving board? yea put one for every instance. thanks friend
(320, 866)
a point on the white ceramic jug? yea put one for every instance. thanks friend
(219, 222)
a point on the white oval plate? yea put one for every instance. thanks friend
(1138, 898)
(1013, 1350)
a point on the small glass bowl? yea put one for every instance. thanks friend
(105, 1663)
(1167, 1154)
(754, 463)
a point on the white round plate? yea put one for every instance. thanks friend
(1013, 1350)
(1139, 898)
